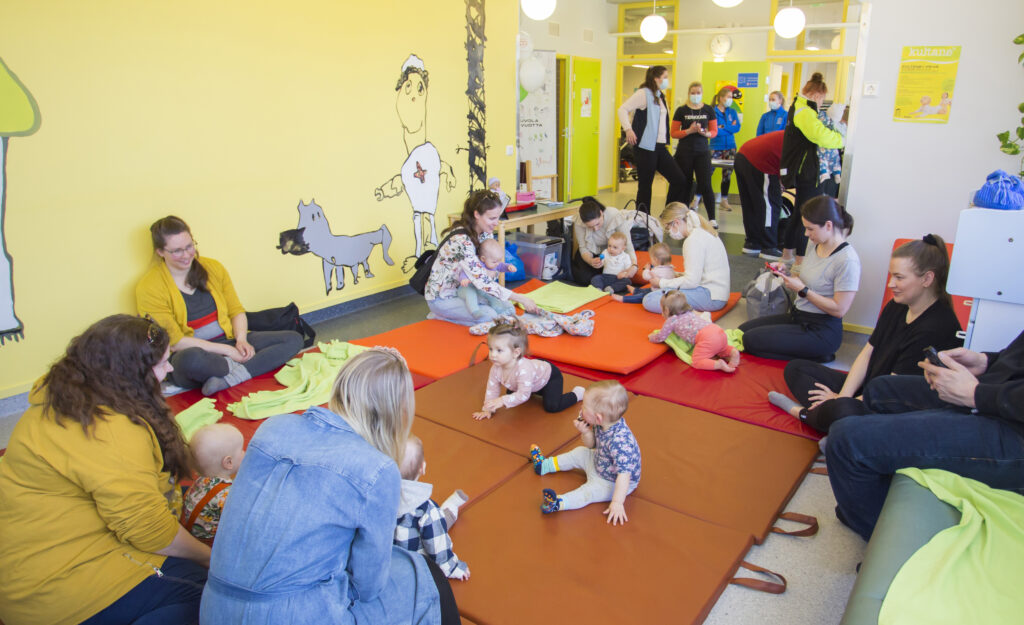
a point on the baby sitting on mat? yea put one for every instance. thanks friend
(617, 263)
(507, 346)
(218, 452)
(659, 267)
(610, 455)
(708, 339)
(422, 524)
(492, 256)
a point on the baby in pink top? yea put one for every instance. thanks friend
(708, 339)
(507, 345)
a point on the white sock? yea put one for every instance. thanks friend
(783, 402)
(578, 391)
(450, 507)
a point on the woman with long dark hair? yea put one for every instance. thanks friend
(89, 495)
(649, 133)
(195, 301)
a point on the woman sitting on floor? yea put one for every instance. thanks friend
(89, 496)
(459, 255)
(306, 536)
(592, 228)
(195, 301)
(705, 279)
(828, 282)
(919, 315)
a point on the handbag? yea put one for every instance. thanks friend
(640, 234)
(425, 263)
(284, 318)
(1001, 191)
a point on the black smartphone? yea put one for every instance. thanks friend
(933, 357)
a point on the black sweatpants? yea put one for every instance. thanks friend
(605, 280)
(194, 366)
(761, 203)
(582, 272)
(802, 377)
(552, 396)
(695, 164)
(649, 162)
(449, 609)
(792, 335)
(794, 237)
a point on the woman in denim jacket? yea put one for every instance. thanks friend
(306, 535)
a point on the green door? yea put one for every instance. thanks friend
(583, 119)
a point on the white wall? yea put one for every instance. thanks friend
(910, 179)
(572, 18)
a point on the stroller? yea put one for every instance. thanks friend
(627, 163)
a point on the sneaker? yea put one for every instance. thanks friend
(695, 203)
(749, 251)
(552, 502)
(771, 254)
(714, 224)
(537, 458)
(724, 204)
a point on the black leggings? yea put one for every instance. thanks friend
(802, 377)
(649, 162)
(553, 397)
(194, 366)
(794, 237)
(796, 334)
(582, 272)
(449, 610)
(605, 280)
(695, 164)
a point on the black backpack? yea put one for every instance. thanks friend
(284, 318)
(425, 263)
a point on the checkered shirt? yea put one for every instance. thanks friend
(426, 531)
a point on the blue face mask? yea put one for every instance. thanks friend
(695, 98)
(774, 105)
(663, 85)
(727, 102)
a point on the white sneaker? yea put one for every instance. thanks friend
(751, 252)
(714, 224)
(724, 204)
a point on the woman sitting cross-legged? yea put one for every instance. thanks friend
(920, 315)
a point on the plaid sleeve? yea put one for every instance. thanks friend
(407, 535)
(435, 542)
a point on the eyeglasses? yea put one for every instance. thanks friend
(182, 251)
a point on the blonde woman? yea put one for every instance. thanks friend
(705, 279)
(307, 533)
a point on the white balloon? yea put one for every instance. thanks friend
(538, 9)
(531, 73)
(525, 44)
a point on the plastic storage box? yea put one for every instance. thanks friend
(541, 254)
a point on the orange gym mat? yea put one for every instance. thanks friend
(452, 401)
(716, 469)
(644, 257)
(660, 567)
(432, 348)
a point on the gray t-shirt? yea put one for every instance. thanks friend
(829, 275)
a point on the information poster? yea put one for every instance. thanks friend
(924, 89)
(538, 126)
(585, 94)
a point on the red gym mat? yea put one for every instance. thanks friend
(452, 401)
(718, 470)
(742, 395)
(660, 567)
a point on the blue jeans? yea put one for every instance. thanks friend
(169, 600)
(455, 311)
(911, 427)
(699, 298)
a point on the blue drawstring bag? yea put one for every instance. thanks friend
(514, 260)
(1002, 191)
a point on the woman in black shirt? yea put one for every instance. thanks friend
(693, 124)
(920, 315)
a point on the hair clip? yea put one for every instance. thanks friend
(391, 350)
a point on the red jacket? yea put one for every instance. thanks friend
(765, 152)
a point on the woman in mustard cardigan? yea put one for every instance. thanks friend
(195, 301)
(89, 496)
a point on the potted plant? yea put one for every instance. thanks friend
(1011, 142)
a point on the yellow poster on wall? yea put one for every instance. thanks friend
(924, 90)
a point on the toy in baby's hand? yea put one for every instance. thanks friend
(550, 267)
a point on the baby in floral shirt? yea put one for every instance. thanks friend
(218, 452)
(610, 455)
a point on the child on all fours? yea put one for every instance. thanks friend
(610, 455)
(218, 452)
(422, 524)
(492, 256)
(660, 267)
(616, 265)
(708, 339)
(507, 345)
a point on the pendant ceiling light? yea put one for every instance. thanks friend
(789, 22)
(727, 4)
(538, 9)
(654, 27)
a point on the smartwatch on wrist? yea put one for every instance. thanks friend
(803, 292)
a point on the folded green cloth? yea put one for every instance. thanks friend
(685, 350)
(308, 380)
(968, 573)
(199, 414)
(560, 297)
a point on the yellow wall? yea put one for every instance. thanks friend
(226, 114)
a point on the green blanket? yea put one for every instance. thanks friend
(685, 350)
(308, 380)
(970, 573)
(199, 414)
(560, 297)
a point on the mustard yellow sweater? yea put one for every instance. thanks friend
(158, 296)
(80, 516)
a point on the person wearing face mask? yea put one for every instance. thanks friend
(799, 168)
(705, 278)
(649, 132)
(776, 117)
(723, 145)
(693, 124)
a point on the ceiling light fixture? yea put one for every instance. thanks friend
(789, 22)
(654, 27)
(538, 9)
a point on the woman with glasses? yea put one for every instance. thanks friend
(89, 494)
(193, 299)
(458, 256)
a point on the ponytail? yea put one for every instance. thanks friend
(815, 85)
(693, 219)
(929, 254)
(821, 209)
(650, 78)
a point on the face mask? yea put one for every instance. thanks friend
(663, 84)
(696, 97)
(676, 232)
(774, 105)
(727, 102)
